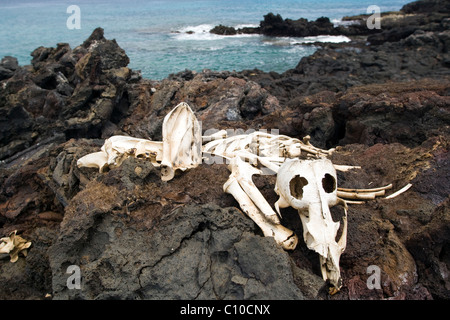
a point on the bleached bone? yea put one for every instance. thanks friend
(368, 194)
(13, 245)
(240, 186)
(243, 172)
(219, 135)
(182, 141)
(360, 195)
(118, 148)
(310, 187)
(94, 160)
(307, 185)
(344, 168)
(389, 186)
(395, 194)
(262, 144)
(180, 148)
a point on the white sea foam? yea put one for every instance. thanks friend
(339, 22)
(202, 28)
(336, 22)
(201, 32)
(324, 38)
(290, 41)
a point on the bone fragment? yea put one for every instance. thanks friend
(182, 141)
(345, 168)
(263, 144)
(395, 194)
(389, 186)
(94, 160)
(219, 135)
(362, 195)
(13, 245)
(284, 237)
(243, 173)
(354, 202)
(118, 148)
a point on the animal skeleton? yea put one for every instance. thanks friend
(306, 179)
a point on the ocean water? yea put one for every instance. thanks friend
(168, 36)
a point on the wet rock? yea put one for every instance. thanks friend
(223, 30)
(275, 25)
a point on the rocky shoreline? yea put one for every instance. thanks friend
(398, 25)
(383, 100)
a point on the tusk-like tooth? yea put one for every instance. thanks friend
(361, 196)
(389, 186)
(342, 242)
(354, 202)
(345, 168)
(405, 188)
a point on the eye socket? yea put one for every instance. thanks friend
(296, 186)
(328, 183)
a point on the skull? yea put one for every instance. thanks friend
(310, 187)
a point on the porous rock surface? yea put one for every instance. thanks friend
(384, 106)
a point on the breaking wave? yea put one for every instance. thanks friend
(201, 32)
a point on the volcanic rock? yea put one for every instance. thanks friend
(384, 107)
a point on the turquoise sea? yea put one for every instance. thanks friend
(167, 36)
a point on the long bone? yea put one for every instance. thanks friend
(251, 201)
